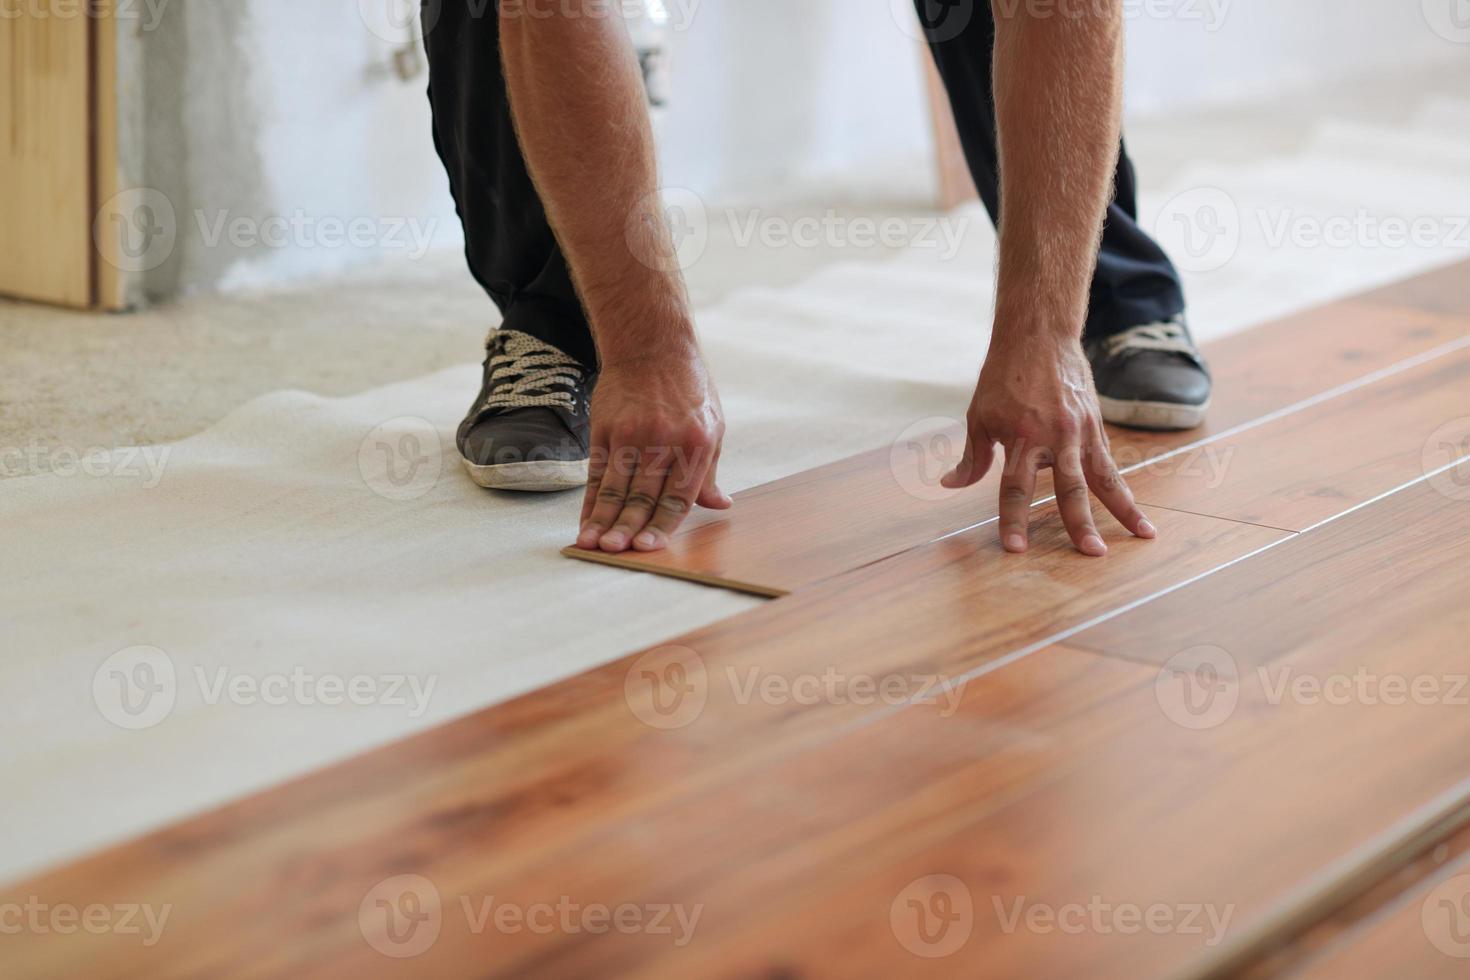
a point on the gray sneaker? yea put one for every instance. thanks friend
(530, 426)
(1151, 377)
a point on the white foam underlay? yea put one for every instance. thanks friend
(264, 548)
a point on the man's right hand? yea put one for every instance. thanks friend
(581, 113)
(657, 429)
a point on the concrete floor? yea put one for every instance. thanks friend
(78, 381)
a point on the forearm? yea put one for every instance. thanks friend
(581, 114)
(1058, 94)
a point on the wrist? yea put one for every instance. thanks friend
(647, 326)
(648, 347)
(1035, 332)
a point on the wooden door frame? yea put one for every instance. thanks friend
(62, 135)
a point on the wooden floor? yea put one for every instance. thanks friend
(812, 526)
(1241, 749)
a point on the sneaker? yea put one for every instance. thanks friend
(1151, 377)
(529, 428)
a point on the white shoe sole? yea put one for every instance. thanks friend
(541, 476)
(1160, 416)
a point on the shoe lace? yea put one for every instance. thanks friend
(526, 372)
(1168, 336)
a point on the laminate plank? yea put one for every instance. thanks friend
(512, 787)
(1412, 546)
(795, 827)
(1310, 465)
(1425, 935)
(1060, 777)
(1270, 808)
(1444, 290)
(791, 533)
(1369, 918)
(284, 900)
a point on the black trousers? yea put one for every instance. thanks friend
(514, 255)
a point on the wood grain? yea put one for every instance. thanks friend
(1424, 935)
(1413, 547)
(1327, 948)
(1443, 290)
(1067, 778)
(46, 250)
(1318, 462)
(509, 789)
(1271, 809)
(791, 533)
(790, 774)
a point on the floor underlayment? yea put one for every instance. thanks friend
(306, 539)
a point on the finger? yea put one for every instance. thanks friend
(978, 457)
(643, 494)
(611, 490)
(710, 495)
(596, 467)
(1017, 487)
(1110, 487)
(677, 500)
(1075, 502)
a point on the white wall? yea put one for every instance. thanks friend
(1191, 52)
(287, 110)
(787, 94)
(282, 139)
(797, 93)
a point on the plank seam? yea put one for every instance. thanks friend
(1360, 868)
(1347, 387)
(771, 592)
(1399, 901)
(1021, 653)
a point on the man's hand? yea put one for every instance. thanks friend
(657, 428)
(1058, 101)
(581, 114)
(1038, 403)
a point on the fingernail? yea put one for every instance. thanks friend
(1015, 542)
(1146, 526)
(1094, 543)
(613, 541)
(646, 540)
(588, 537)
